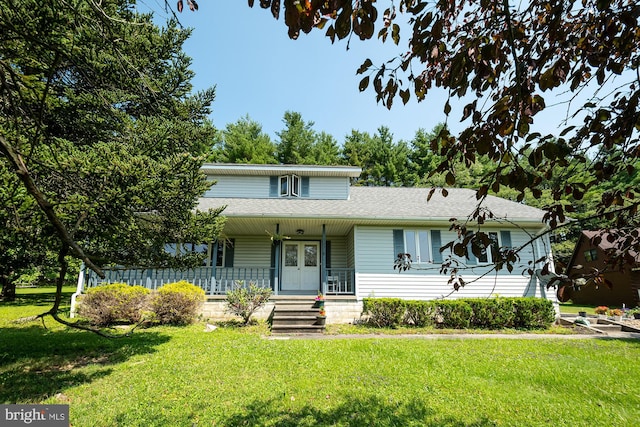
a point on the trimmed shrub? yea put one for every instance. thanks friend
(117, 302)
(484, 313)
(533, 313)
(243, 301)
(454, 314)
(492, 313)
(419, 313)
(384, 312)
(177, 303)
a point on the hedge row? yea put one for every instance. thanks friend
(481, 313)
(174, 304)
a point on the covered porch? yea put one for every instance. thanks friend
(217, 280)
(291, 256)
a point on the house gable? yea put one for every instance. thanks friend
(279, 181)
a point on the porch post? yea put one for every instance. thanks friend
(276, 273)
(323, 254)
(214, 262)
(79, 288)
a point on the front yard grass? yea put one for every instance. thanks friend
(172, 376)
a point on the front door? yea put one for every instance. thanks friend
(301, 266)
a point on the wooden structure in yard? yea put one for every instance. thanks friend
(625, 283)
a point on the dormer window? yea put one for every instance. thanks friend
(289, 186)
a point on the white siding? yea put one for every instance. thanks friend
(338, 252)
(257, 187)
(426, 287)
(239, 186)
(328, 188)
(375, 276)
(252, 251)
(351, 248)
(374, 250)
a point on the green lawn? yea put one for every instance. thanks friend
(571, 308)
(168, 376)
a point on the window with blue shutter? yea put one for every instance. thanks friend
(223, 252)
(398, 243)
(288, 186)
(505, 238)
(436, 243)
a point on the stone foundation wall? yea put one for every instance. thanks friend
(339, 310)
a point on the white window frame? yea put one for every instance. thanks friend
(176, 249)
(289, 186)
(416, 251)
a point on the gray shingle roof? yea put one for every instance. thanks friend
(377, 203)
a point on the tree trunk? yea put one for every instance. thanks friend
(8, 289)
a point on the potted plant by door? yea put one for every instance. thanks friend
(321, 317)
(319, 301)
(635, 312)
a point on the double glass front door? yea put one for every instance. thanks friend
(301, 266)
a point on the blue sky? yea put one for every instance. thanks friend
(259, 71)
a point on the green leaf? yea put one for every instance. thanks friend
(450, 179)
(365, 66)
(405, 95)
(447, 108)
(343, 22)
(395, 33)
(364, 83)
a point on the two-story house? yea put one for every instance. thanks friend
(302, 230)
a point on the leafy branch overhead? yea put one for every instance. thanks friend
(502, 65)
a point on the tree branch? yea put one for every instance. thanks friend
(23, 173)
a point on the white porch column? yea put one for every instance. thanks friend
(80, 286)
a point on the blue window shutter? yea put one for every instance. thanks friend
(505, 238)
(304, 191)
(436, 243)
(229, 252)
(273, 186)
(398, 242)
(214, 255)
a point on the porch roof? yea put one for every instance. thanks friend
(368, 205)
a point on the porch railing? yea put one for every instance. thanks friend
(340, 281)
(213, 281)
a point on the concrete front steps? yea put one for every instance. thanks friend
(296, 315)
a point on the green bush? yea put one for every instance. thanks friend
(243, 301)
(177, 303)
(420, 313)
(533, 313)
(117, 302)
(454, 314)
(484, 313)
(384, 312)
(492, 313)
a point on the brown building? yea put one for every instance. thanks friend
(625, 284)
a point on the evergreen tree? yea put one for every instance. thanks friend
(245, 142)
(100, 131)
(296, 140)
